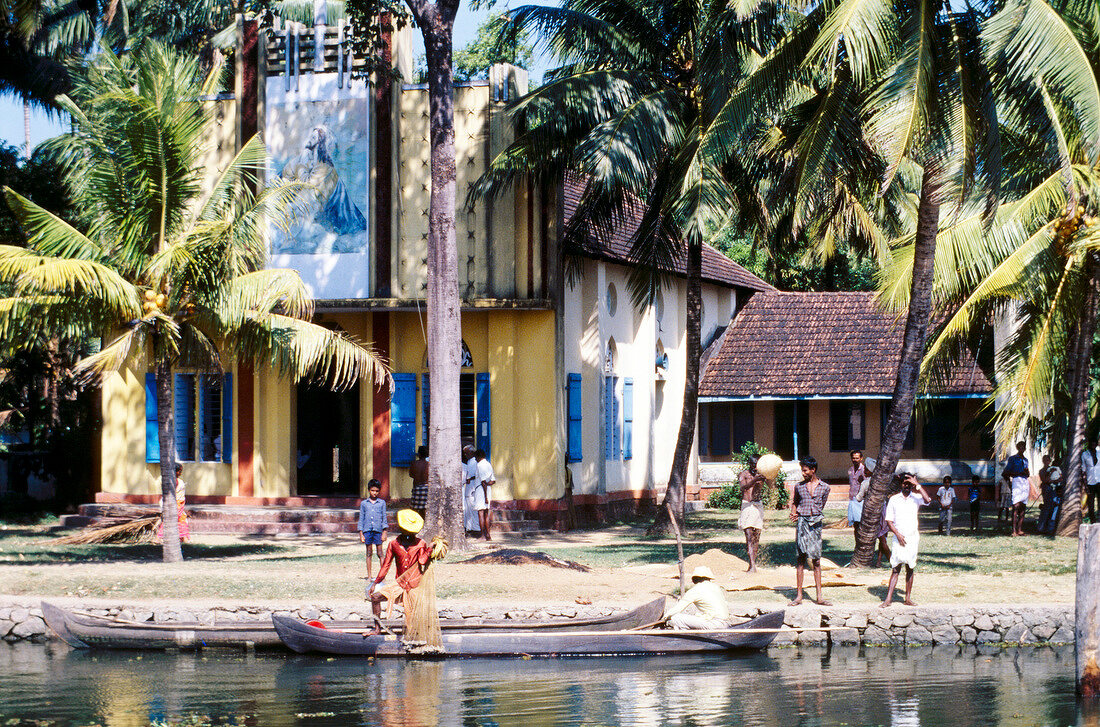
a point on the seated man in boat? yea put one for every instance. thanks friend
(710, 604)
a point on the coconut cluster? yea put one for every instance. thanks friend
(153, 301)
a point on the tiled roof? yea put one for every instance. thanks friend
(717, 268)
(818, 344)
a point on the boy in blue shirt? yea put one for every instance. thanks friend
(373, 522)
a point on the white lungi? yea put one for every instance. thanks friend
(752, 516)
(691, 622)
(482, 497)
(906, 554)
(1021, 488)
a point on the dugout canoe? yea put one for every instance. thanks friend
(89, 631)
(752, 635)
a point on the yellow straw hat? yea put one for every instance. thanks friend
(410, 521)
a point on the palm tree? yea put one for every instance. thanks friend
(169, 264)
(923, 69)
(435, 19)
(627, 113)
(1037, 265)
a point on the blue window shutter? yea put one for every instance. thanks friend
(425, 408)
(403, 420)
(184, 409)
(227, 418)
(483, 436)
(152, 435)
(574, 449)
(628, 417)
(609, 417)
(616, 425)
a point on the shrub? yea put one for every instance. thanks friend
(775, 494)
(728, 498)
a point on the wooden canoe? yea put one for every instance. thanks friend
(520, 641)
(86, 631)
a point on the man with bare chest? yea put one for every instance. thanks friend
(752, 508)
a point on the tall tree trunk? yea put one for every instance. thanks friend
(675, 493)
(1069, 518)
(445, 481)
(912, 352)
(172, 553)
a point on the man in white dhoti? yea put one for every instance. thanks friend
(469, 482)
(902, 520)
(1017, 472)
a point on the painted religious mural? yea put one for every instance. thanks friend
(317, 133)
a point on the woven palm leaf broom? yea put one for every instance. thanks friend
(138, 530)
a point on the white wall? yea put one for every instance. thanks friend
(588, 326)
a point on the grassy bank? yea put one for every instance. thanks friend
(989, 567)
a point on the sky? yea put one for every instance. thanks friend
(43, 126)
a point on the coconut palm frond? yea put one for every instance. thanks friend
(241, 172)
(48, 234)
(306, 351)
(114, 356)
(266, 291)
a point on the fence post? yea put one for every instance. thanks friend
(1087, 614)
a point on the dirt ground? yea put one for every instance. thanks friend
(627, 567)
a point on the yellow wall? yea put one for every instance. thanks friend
(515, 348)
(123, 469)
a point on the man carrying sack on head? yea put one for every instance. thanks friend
(709, 600)
(416, 577)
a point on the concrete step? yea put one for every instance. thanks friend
(272, 520)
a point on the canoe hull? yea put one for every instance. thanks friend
(751, 636)
(85, 631)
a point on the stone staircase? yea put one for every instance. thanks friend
(270, 520)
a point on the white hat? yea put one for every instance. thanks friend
(1055, 474)
(702, 572)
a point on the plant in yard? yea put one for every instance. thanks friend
(625, 115)
(726, 498)
(167, 263)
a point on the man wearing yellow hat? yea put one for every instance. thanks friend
(709, 601)
(413, 555)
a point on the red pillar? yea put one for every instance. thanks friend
(246, 393)
(380, 428)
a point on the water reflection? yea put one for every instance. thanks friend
(900, 688)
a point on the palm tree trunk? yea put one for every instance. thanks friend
(912, 351)
(436, 22)
(172, 553)
(673, 505)
(1069, 519)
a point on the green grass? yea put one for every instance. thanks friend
(989, 566)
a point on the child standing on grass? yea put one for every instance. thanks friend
(372, 522)
(946, 496)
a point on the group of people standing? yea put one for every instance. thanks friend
(478, 479)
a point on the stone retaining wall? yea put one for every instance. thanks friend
(867, 625)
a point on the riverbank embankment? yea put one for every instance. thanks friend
(21, 619)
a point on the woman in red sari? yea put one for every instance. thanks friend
(413, 557)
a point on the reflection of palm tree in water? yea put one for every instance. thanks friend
(328, 203)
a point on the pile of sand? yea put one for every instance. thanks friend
(729, 571)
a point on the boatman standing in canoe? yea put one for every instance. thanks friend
(709, 600)
(417, 579)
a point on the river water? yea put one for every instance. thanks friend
(47, 685)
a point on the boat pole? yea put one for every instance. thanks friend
(1087, 615)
